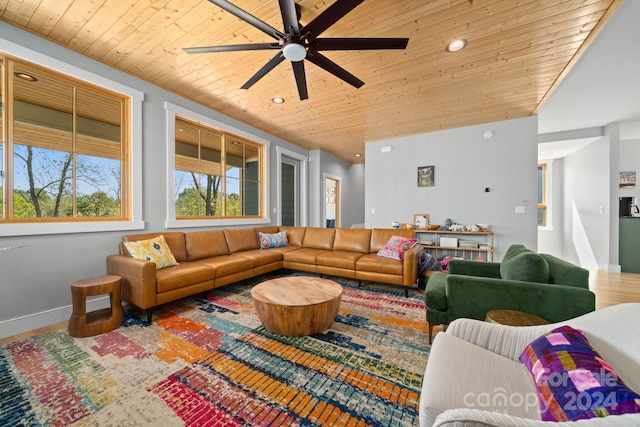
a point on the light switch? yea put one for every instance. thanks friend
(519, 209)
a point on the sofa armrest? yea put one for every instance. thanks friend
(507, 341)
(473, 297)
(138, 279)
(474, 268)
(462, 417)
(410, 265)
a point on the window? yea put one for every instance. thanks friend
(217, 174)
(542, 195)
(64, 148)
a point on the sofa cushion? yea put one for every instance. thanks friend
(396, 246)
(352, 240)
(526, 266)
(156, 250)
(573, 381)
(380, 236)
(205, 244)
(295, 235)
(339, 259)
(261, 257)
(185, 274)
(241, 239)
(374, 264)
(273, 240)
(303, 256)
(319, 238)
(228, 264)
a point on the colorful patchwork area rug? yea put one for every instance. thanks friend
(207, 361)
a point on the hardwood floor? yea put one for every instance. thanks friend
(614, 288)
(610, 289)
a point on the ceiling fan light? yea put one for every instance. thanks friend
(294, 52)
(456, 45)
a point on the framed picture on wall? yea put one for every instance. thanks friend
(420, 220)
(426, 176)
(627, 179)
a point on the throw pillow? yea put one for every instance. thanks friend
(396, 246)
(572, 380)
(156, 250)
(275, 240)
(527, 266)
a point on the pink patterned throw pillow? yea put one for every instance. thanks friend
(276, 240)
(396, 246)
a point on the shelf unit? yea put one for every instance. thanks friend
(431, 240)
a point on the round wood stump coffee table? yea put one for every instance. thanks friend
(514, 318)
(298, 305)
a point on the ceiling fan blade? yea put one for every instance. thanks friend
(232, 47)
(247, 17)
(301, 79)
(330, 66)
(358, 43)
(264, 70)
(330, 16)
(290, 17)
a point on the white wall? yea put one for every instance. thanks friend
(35, 279)
(465, 164)
(630, 161)
(585, 228)
(588, 180)
(550, 236)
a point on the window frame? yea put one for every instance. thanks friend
(545, 202)
(134, 169)
(173, 111)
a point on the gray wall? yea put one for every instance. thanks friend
(465, 163)
(352, 188)
(35, 279)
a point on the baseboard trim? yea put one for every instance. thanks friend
(33, 321)
(611, 268)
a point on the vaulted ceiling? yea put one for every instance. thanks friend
(517, 53)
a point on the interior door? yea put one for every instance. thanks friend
(332, 203)
(289, 192)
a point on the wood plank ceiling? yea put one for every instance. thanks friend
(517, 52)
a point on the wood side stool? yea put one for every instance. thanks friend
(514, 318)
(83, 324)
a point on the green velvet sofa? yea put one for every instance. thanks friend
(534, 283)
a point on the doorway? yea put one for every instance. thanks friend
(291, 182)
(289, 192)
(332, 202)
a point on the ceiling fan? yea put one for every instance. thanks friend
(299, 42)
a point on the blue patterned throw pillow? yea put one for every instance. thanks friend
(276, 240)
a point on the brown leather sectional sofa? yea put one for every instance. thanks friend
(214, 258)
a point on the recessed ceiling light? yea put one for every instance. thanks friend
(456, 45)
(358, 155)
(25, 76)
(277, 100)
